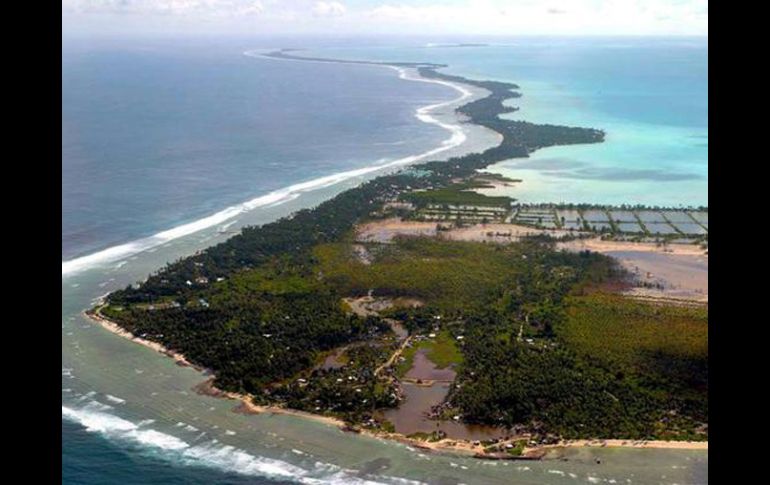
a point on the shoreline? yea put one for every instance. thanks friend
(618, 443)
(113, 327)
(206, 387)
(452, 144)
(446, 445)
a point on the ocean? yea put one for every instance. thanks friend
(180, 131)
(168, 144)
(87, 457)
(649, 95)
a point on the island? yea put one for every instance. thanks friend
(416, 307)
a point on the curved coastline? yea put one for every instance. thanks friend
(446, 445)
(456, 140)
(443, 446)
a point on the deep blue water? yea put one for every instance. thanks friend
(88, 458)
(158, 134)
(155, 134)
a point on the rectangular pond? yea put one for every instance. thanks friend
(659, 228)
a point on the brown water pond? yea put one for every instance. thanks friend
(412, 415)
(425, 370)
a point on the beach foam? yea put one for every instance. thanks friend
(280, 196)
(94, 418)
(115, 399)
(227, 458)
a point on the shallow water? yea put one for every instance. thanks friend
(412, 415)
(423, 368)
(650, 95)
(137, 410)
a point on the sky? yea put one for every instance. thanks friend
(395, 17)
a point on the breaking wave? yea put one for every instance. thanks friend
(280, 196)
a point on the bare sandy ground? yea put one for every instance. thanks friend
(671, 445)
(677, 271)
(500, 233)
(385, 230)
(365, 306)
(536, 452)
(599, 246)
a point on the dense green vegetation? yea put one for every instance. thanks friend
(249, 330)
(456, 195)
(664, 348)
(261, 309)
(294, 236)
(351, 392)
(447, 276)
(533, 352)
(616, 368)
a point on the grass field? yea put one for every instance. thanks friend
(446, 275)
(441, 350)
(661, 349)
(458, 194)
(621, 331)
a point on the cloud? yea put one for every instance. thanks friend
(493, 17)
(555, 17)
(165, 7)
(328, 9)
(255, 8)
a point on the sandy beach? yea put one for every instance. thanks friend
(247, 406)
(207, 387)
(113, 327)
(454, 446)
(612, 443)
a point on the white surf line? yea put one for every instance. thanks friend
(96, 417)
(283, 195)
(223, 457)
